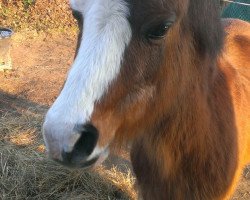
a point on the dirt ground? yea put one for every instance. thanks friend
(40, 65)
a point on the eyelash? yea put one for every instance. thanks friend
(159, 31)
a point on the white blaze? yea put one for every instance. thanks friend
(106, 34)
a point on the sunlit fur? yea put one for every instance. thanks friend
(183, 102)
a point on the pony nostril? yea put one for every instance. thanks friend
(88, 140)
(84, 145)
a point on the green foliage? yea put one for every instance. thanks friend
(27, 3)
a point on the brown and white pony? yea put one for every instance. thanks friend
(167, 76)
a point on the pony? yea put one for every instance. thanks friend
(167, 77)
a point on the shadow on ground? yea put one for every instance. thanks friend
(26, 172)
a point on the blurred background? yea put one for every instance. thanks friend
(41, 52)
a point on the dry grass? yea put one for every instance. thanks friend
(26, 173)
(39, 15)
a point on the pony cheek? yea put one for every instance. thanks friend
(107, 126)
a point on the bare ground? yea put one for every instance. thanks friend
(40, 66)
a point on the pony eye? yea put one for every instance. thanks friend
(159, 31)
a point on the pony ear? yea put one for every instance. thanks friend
(205, 23)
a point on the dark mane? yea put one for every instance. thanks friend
(205, 23)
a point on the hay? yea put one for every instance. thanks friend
(27, 173)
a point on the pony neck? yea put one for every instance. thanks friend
(191, 143)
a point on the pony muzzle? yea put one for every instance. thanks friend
(80, 149)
